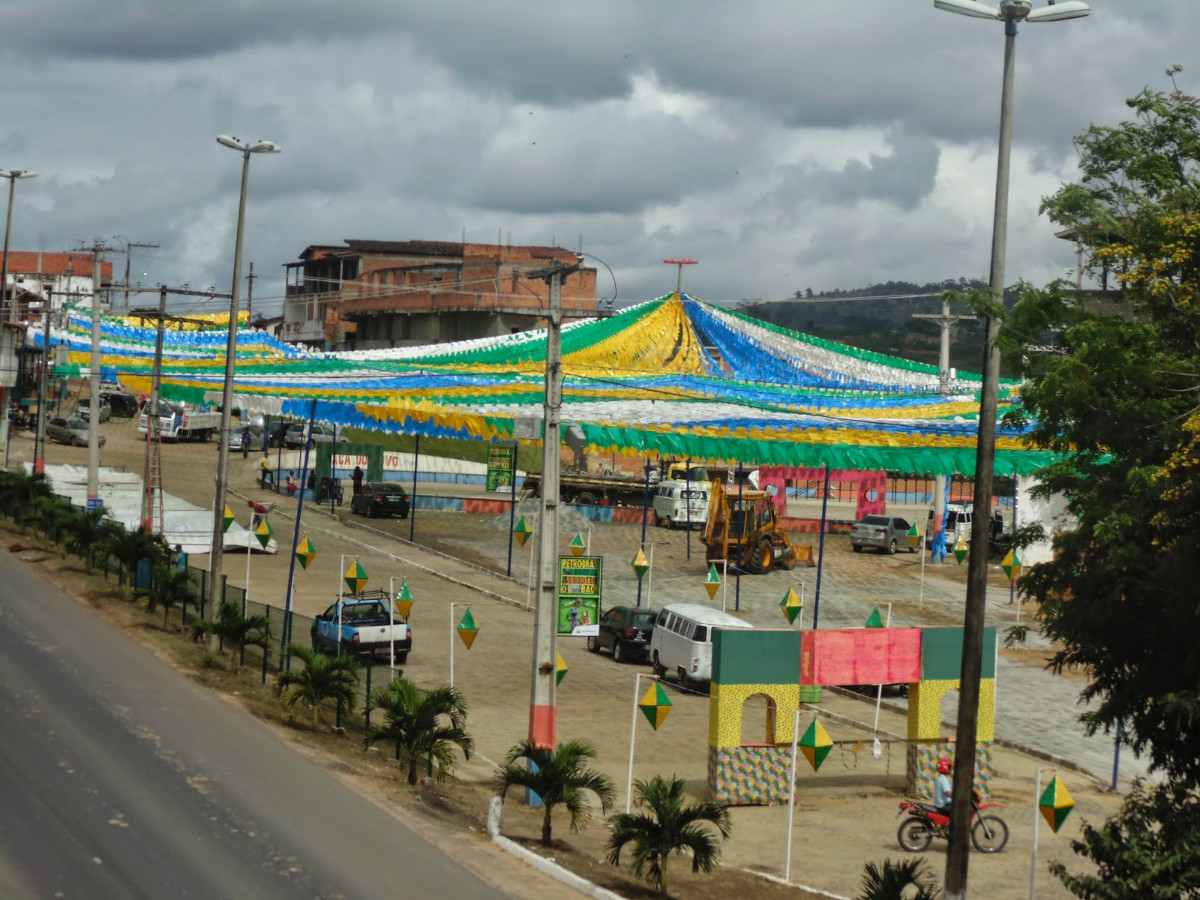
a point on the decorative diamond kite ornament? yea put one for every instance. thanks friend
(522, 532)
(577, 545)
(467, 629)
(712, 581)
(816, 744)
(655, 705)
(1056, 803)
(404, 600)
(227, 517)
(263, 532)
(561, 671)
(790, 605)
(914, 536)
(640, 564)
(355, 577)
(305, 552)
(874, 620)
(960, 550)
(1011, 564)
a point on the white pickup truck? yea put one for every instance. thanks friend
(183, 423)
(365, 624)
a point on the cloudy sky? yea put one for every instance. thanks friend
(785, 144)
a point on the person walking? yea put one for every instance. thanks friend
(357, 478)
(245, 443)
(264, 471)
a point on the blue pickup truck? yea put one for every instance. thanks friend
(363, 625)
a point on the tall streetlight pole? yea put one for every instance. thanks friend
(679, 264)
(218, 536)
(9, 298)
(1010, 12)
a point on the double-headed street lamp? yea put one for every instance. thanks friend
(1010, 12)
(218, 537)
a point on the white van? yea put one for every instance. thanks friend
(958, 524)
(681, 503)
(682, 640)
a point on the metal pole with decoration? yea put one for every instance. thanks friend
(875, 621)
(640, 566)
(466, 630)
(1054, 804)
(655, 706)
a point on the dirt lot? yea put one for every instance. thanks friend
(846, 813)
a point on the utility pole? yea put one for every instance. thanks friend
(129, 245)
(93, 473)
(946, 321)
(542, 702)
(150, 483)
(39, 448)
(250, 296)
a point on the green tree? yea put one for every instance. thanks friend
(85, 531)
(19, 492)
(1149, 850)
(169, 588)
(1113, 387)
(670, 826)
(235, 631)
(322, 678)
(559, 777)
(50, 514)
(421, 724)
(908, 879)
(131, 547)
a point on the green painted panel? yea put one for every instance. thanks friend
(766, 656)
(941, 653)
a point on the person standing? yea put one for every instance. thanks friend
(357, 478)
(264, 470)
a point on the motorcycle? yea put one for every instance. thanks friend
(989, 833)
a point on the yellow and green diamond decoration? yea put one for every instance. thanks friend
(640, 564)
(522, 531)
(816, 744)
(790, 605)
(914, 536)
(227, 517)
(560, 671)
(467, 629)
(404, 600)
(712, 581)
(355, 577)
(960, 550)
(305, 552)
(576, 545)
(263, 532)
(655, 705)
(874, 620)
(1056, 803)
(1011, 564)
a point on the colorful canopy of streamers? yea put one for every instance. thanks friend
(673, 377)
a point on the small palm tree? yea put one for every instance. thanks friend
(671, 826)
(19, 492)
(235, 631)
(421, 724)
(322, 678)
(559, 778)
(909, 879)
(85, 531)
(170, 587)
(131, 547)
(50, 514)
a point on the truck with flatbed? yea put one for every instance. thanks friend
(365, 624)
(182, 422)
(615, 488)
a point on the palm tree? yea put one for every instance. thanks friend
(671, 827)
(19, 492)
(131, 547)
(421, 724)
(322, 678)
(50, 514)
(170, 587)
(235, 630)
(558, 777)
(894, 881)
(86, 529)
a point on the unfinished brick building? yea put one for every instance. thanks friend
(370, 294)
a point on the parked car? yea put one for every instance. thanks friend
(70, 431)
(380, 498)
(124, 406)
(886, 533)
(83, 410)
(872, 690)
(626, 631)
(295, 436)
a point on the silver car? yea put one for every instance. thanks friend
(886, 533)
(70, 431)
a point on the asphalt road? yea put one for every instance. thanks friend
(119, 777)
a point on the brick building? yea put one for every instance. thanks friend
(370, 294)
(64, 277)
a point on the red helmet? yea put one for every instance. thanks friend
(943, 766)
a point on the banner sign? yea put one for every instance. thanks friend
(501, 460)
(579, 586)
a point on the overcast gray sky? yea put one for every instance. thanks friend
(785, 144)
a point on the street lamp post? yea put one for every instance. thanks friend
(9, 297)
(679, 264)
(1010, 12)
(215, 559)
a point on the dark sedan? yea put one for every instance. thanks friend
(626, 631)
(380, 498)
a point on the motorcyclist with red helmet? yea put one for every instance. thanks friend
(942, 788)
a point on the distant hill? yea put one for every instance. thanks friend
(880, 321)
